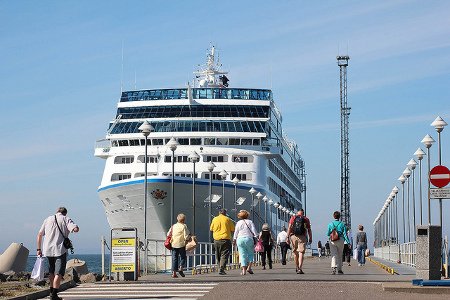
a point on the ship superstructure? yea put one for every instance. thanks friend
(237, 129)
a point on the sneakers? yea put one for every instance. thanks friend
(333, 271)
(250, 271)
(300, 271)
(340, 272)
(181, 273)
(222, 272)
(359, 265)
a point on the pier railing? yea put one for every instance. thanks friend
(400, 253)
(201, 260)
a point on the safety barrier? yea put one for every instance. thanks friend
(399, 253)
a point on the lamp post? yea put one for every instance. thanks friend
(412, 165)
(284, 209)
(395, 191)
(428, 142)
(145, 128)
(439, 125)
(276, 205)
(252, 191)
(172, 144)
(407, 174)
(235, 182)
(419, 155)
(270, 202)
(259, 196)
(194, 158)
(402, 180)
(265, 199)
(210, 167)
(223, 174)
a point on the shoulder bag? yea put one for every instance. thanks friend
(334, 235)
(255, 240)
(67, 243)
(167, 242)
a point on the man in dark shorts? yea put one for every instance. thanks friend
(53, 247)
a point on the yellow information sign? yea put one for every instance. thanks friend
(123, 257)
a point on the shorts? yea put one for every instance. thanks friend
(57, 264)
(298, 243)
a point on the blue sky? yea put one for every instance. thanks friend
(61, 72)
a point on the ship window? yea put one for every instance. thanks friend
(115, 144)
(215, 176)
(196, 141)
(221, 141)
(183, 141)
(142, 174)
(234, 142)
(242, 176)
(215, 158)
(209, 141)
(167, 158)
(151, 159)
(246, 142)
(242, 159)
(123, 143)
(134, 143)
(120, 176)
(256, 142)
(157, 142)
(124, 160)
(181, 158)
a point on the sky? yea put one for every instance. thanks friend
(61, 74)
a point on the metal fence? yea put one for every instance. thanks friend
(201, 260)
(399, 253)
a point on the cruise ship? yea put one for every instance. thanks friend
(209, 146)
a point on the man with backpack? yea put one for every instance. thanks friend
(299, 225)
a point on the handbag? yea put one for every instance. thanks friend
(259, 247)
(38, 269)
(367, 252)
(67, 243)
(334, 235)
(192, 244)
(167, 242)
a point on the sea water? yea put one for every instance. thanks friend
(93, 262)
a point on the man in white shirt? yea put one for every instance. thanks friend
(55, 229)
(281, 242)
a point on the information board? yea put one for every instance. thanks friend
(123, 257)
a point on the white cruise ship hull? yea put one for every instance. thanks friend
(124, 204)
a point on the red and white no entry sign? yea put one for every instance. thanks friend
(440, 176)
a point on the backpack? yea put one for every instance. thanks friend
(334, 235)
(299, 225)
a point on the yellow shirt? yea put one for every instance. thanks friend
(222, 226)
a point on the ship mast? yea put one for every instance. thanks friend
(210, 75)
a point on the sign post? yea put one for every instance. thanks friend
(124, 253)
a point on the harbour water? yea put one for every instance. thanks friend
(93, 262)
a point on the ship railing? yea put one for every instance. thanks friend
(400, 253)
(199, 261)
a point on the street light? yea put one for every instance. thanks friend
(284, 209)
(223, 174)
(407, 174)
(402, 180)
(439, 125)
(259, 196)
(145, 128)
(412, 165)
(210, 167)
(194, 158)
(419, 155)
(428, 142)
(252, 191)
(276, 205)
(270, 202)
(235, 182)
(172, 144)
(265, 208)
(395, 191)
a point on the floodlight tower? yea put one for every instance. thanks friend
(342, 62)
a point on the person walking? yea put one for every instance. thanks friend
(267, 240)
(54, 230)
(284, 246)
(180, 236)
(299, 226)
(244, 237)
(361, 245)
(319, 248)
(222, 226)
(347, 252)
(337, 234)
(327, 248)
